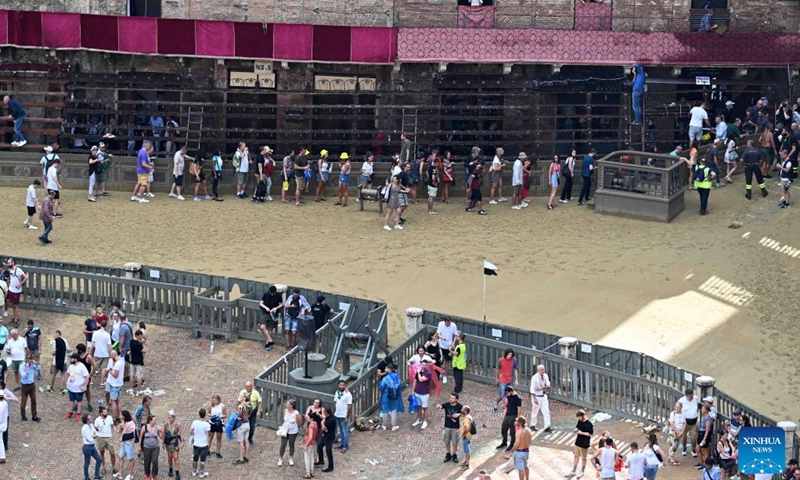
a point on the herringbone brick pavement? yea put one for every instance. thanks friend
(190, 374)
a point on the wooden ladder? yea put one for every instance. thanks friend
(194, 128)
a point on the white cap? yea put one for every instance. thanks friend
(730, 103)
(48, 149)
(171, 413)
(94, 147)
(709, 399)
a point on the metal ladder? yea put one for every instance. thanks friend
(409, 121)
(194, 128)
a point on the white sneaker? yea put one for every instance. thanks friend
(26, 222)
(387, 228)
(134, 198)
(204, 474)
(291, 462)
(180, 197)
(15, 144)
(129, 477)
(382, 427)
(527, 200)
(493, 202)
(570, 474)
(280, 462)
(172, 195)
(269, 199)
(444, 378)
(194, 473)
(416, 422)
(424, 425)
(395, 428)
(151, 195)
(503, 199)
(22, 143)
(144, 200)
(523, 205)
(398, 227)
(516, 207)
(580, 474)
(33, 227)
(197, 199)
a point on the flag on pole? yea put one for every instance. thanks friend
(489, 268)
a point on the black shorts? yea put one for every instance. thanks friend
(58, 194)
(269, 321)
(178, 180)
(199, 453)
(217, 428)
(202, 177)
(31, 211)
(446, 357)
(475, 195)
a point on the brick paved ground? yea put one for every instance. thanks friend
(190, 374)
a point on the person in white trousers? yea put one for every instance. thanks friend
(3, 424)
(540, 385)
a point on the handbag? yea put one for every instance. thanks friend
(285, 185)
(283, 430)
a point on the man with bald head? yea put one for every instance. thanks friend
(250, 401)
(540, 385)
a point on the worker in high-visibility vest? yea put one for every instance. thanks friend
(703, 178)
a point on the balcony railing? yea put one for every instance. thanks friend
(619, 23)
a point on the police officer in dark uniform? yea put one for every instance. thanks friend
(752, 160)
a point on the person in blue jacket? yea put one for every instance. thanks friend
(391, 388)
(637, 93)
(16, 113)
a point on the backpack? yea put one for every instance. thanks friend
(700, 174)
(394, 391)
(473, 430)
(237, 159)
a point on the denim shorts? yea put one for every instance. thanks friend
(364, 179)
(126, 451)
(290, 324)
(465, 446)
(113, 392)
(501, 388)
(521, 460)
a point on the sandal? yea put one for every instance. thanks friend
(337, 204)
(344, 204)
(306, 476)
(674, 462)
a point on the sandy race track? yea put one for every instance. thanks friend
(716, 300)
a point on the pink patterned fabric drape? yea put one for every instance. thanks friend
(475, 17)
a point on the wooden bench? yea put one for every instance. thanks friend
(721, 17)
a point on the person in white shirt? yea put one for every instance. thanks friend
(115, 377)
(652, 456)
(712, 410)
(104, 428)
(242, 155)
(675, 428)
(88, 434)
(48, 158)
(31, 203)
(53, 185)
(15, 348)
(608, 459)
(178, 166)
(200, 433)
(447, 331)
(540, 385)
(419, 357)
(343, 400)
(698, 117)
(516, 185)
(635, 463)
(77, 381)
(690, 407)
(3, 425)
(496, 177)
(101, 351)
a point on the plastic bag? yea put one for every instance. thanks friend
(285, 185)
(413, 403)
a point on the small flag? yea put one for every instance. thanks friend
(489, 268)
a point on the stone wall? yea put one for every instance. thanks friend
(764, 15)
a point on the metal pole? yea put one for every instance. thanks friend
(484, 297)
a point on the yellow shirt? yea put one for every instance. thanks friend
(250, 400)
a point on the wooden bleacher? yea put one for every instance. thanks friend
(42, 94)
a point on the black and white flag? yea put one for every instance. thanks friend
(489, 268)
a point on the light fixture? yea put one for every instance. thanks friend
(442, 67)
(507, 68)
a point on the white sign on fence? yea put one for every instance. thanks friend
(702, 80)
(586, 347)
(155, 274)
(497, 333)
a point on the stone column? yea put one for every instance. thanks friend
(705, 386)
(789, 428)
(413, 320)
(282, 289)
(131, 301)
(568, 347)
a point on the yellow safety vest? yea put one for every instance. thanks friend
(460, 358)
(706, 183)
